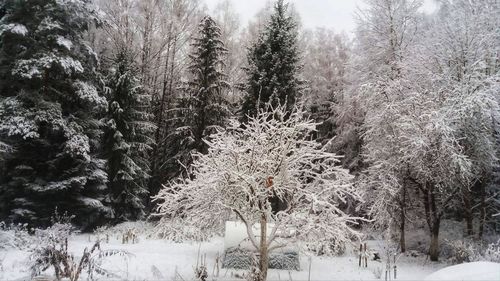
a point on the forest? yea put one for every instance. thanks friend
(155, 123)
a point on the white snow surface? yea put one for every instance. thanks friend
(167, 258)
(473, 271)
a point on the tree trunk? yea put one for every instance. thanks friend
(402, 242)
(434, 248)
(466, 197)
(433, 219)
(482, 210)
(264, 254)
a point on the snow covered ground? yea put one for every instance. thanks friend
(164, 260)
(473, 271)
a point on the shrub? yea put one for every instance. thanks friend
(492, 252)
(460, 251)
(52, 252)
(14, 236)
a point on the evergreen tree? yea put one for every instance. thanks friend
(206, 88)
(48, 107)
(203, 106)
(274, 65)
(128, 139)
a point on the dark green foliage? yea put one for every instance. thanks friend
(203, 106)
(274, 65)
(48, 113)
(128, 139)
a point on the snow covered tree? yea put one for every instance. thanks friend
(385, 33)
(207, 88)
(245, 168)
(203, 108)
(273, 65)
(179, 21)
(325, 59)
(430, 115)
(229, 22)
(158, 32)
(49, 103)
(128, 139)
(461, 66)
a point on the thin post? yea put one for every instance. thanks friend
(310, 262)
(395, 267)
(366, 256)
(360, 253)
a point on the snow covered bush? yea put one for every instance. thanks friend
(492, 253)
(51, 252)
(14, 236)
(460, 251)
(268, 171)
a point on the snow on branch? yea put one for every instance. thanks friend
(249, 167)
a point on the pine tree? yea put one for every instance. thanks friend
(48, 107)
(128, 139)
(203, 106)
(274, 65)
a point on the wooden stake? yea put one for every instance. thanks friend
(366, 256)
(310, 262)
(360, 253)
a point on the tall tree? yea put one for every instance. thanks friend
(430, 115)
(462, 66)
(207, 88)
(178, 25)
(48, 106)
(273, 64)
(128, 139)
(229, 22)
(203, 106)
(158, 32)
(325, 59)
(385, 33)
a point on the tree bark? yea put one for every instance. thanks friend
(434, 248)
(264, 254)
(466, 197)
(482, 210)
(402, 242)
(433, 220)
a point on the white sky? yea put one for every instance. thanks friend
(336, 14)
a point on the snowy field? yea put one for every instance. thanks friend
(164, 260)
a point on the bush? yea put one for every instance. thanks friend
(460, 251)
(51, 251)
(15, 236)
(492, 252)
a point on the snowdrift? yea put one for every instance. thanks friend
(473, 271)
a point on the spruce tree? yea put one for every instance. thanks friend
(203, 106)
(273, 65)
(206, 89)
(48, 106)
(128, 139)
